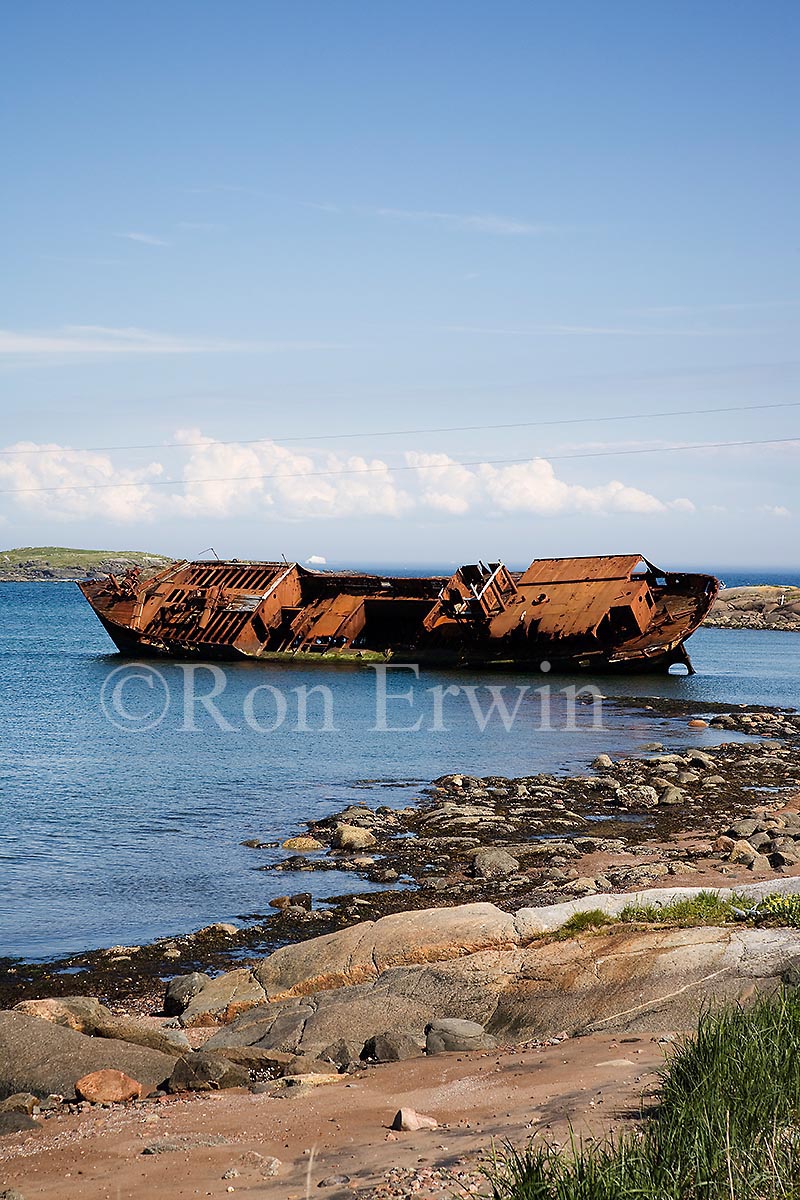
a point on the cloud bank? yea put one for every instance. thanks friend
(222, 480)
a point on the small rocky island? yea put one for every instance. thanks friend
(46, 564)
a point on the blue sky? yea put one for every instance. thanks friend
(223, 223)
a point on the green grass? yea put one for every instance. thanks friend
(726, 1126)
(706, 908)
(584, 922)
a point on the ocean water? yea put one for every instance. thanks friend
(126, 790)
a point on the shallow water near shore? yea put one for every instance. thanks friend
(116, 832)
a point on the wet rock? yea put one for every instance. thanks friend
(108, 1087)
(392, 1046)
(182, 990)
(451, 1033)
(494, 864)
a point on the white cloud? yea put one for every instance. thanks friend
(66, 471)
(146, 239)
(102, 340)
(316, 560)
(221, 480)
(775, 510)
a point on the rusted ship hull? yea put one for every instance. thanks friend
(611, 613)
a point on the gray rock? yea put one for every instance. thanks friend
(603, 762)
(182, 990)
(392, 1046)
(744, 828)
(342, 1054)
(206, 1073)
(17, 1123)
(40, 1057)
(223, 999)
(351, 837)
(452, 1033)
(494, 864)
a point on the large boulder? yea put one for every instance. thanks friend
(43, 1058)
(362, 952)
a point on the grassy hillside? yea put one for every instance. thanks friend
(63, 562)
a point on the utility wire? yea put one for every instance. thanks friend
(480, 462)
(330, 437)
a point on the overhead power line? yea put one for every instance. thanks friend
(331, 437)
(479, 462)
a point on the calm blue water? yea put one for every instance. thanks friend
(118, 835)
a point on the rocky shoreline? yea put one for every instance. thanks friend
(763, 607)
(633, 822)
(533, 910)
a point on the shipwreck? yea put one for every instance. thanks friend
(607, 613)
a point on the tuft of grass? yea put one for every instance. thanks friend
(706, 908)
(584, 922)
(727, 1126)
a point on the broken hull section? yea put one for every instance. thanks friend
(590, 614)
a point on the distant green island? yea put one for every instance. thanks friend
(27, 564)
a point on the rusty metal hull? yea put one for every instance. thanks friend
(611, 613)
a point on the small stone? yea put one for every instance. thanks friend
(407, 1120)
(231, 1173)
(334, 1181)
(697, 723)
(108, 1087)
(603, 762)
